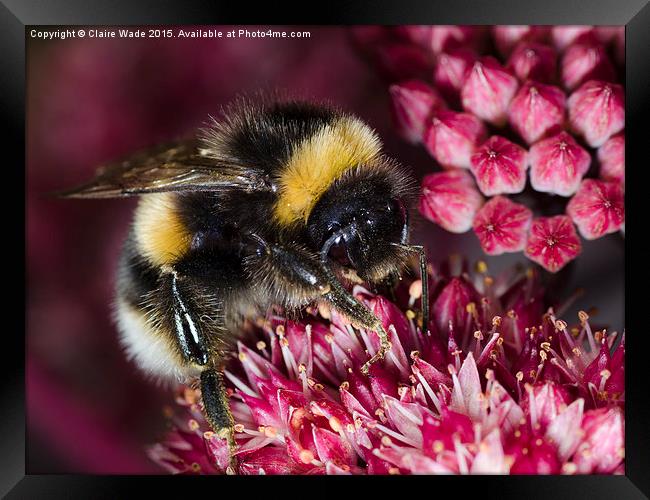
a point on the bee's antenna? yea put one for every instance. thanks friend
(424, 277)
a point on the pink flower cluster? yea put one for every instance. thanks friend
(498, 106)
(499, 384)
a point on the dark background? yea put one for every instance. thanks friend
(93, 100)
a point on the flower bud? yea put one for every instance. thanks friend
(585, 61)
(597, 208)
(563, 36)
(533, 61)
(447, 37)
(413, 103)
(501, 225)
(488, 90)
(597, 111)
(450, 199)
(451, 71)
(507, 37)
(557, 164)
(553, 242)
(452, 138)
(499, 166)
(536, 110)
(611, 156)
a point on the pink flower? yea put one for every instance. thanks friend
(450, 72)
(450, 199)
(507, 37)
(488, 90)
(597, 208)
(536, 110)
(602, 448)
(553, 242)
(534, 61)
(585, 61)
(611, 156)
(413, 104)
(502, 225)
(452, 138)
(597, 111)
(447, 402)
(557, 164)
(499, 166)
(592, 362)
(543, 403)
(450, 307)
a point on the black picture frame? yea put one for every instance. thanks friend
(17, 15)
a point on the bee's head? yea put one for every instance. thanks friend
(362, 219)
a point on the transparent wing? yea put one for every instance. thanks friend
(179, 166)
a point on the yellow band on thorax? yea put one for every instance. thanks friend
(318, 162)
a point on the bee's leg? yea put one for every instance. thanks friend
(217, 410)
(196, 338)
(187, 326)
(301, 270)
(360, 316)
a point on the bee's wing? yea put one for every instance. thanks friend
(178, 166)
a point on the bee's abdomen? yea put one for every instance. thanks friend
(152, 349)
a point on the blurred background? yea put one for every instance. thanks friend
(94, 100)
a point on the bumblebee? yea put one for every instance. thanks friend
(275, 203)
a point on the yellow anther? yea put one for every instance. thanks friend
(583, 316)
(306, 456)
(335, 424)
(415, 290)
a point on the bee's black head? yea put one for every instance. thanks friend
(361, 220)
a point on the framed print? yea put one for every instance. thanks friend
(389, 242)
